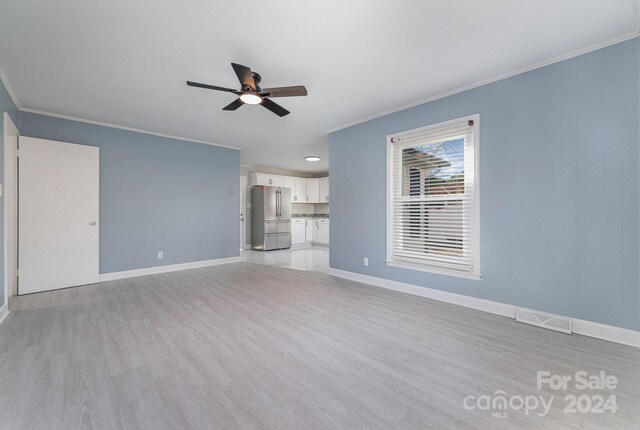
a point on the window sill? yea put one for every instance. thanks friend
(437, 271)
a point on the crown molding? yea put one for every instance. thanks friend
(545, 63)
(9, 89)
(554, 60)
(120, 127)
(14, 98)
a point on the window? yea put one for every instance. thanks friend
(432, 203)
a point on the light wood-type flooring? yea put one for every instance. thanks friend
(247, 346)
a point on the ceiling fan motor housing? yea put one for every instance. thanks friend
(257, 78)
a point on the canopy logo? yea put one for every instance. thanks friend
(499, 404)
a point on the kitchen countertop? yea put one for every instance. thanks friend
(310, 216)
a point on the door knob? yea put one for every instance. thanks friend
(92, 223)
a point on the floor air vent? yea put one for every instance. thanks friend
(540, 319)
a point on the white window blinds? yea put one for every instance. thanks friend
(432, 205)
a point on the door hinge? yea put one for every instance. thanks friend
(17, 153)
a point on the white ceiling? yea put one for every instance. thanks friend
(125, 62)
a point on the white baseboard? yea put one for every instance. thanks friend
(164, 269)
(4, 312)
(442, 296)
(606, 332)
(583, 327)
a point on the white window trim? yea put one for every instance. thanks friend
(475, 204)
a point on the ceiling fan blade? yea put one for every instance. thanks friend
(212, 87)
(233, 105)
(244, 75)
(298, 90)
(274, 107)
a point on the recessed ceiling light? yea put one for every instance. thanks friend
(251, 99)
(312, 158)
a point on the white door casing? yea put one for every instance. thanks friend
(243, 209)
(10, 208)
(58, 215)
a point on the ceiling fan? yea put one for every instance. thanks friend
(250, 92)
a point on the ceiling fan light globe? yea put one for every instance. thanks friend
(312, 158)
(251, 99)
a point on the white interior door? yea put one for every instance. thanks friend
(58, 237)
(243, 208)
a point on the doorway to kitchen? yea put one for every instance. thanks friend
(243, 212)
(314, 259)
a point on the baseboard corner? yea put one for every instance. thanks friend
(4, 312)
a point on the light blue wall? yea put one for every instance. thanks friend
(156, 194)
(6, 105)
(559, 185)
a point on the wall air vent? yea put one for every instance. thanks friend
(541, 319)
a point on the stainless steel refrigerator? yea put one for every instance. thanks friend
(270, 218)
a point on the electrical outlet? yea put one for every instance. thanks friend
(160, 255)
(366, 261)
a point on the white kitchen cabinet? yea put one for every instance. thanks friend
(310, 230)
(299, 194)
(303, 190)
(266, 179)
(323, 231)
(324, 190)
(313, 190)
(289, 182)
(316, 229)
(298, 231)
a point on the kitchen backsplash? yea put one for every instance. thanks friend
(321, 208)
(310, 209)
(302, 208)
